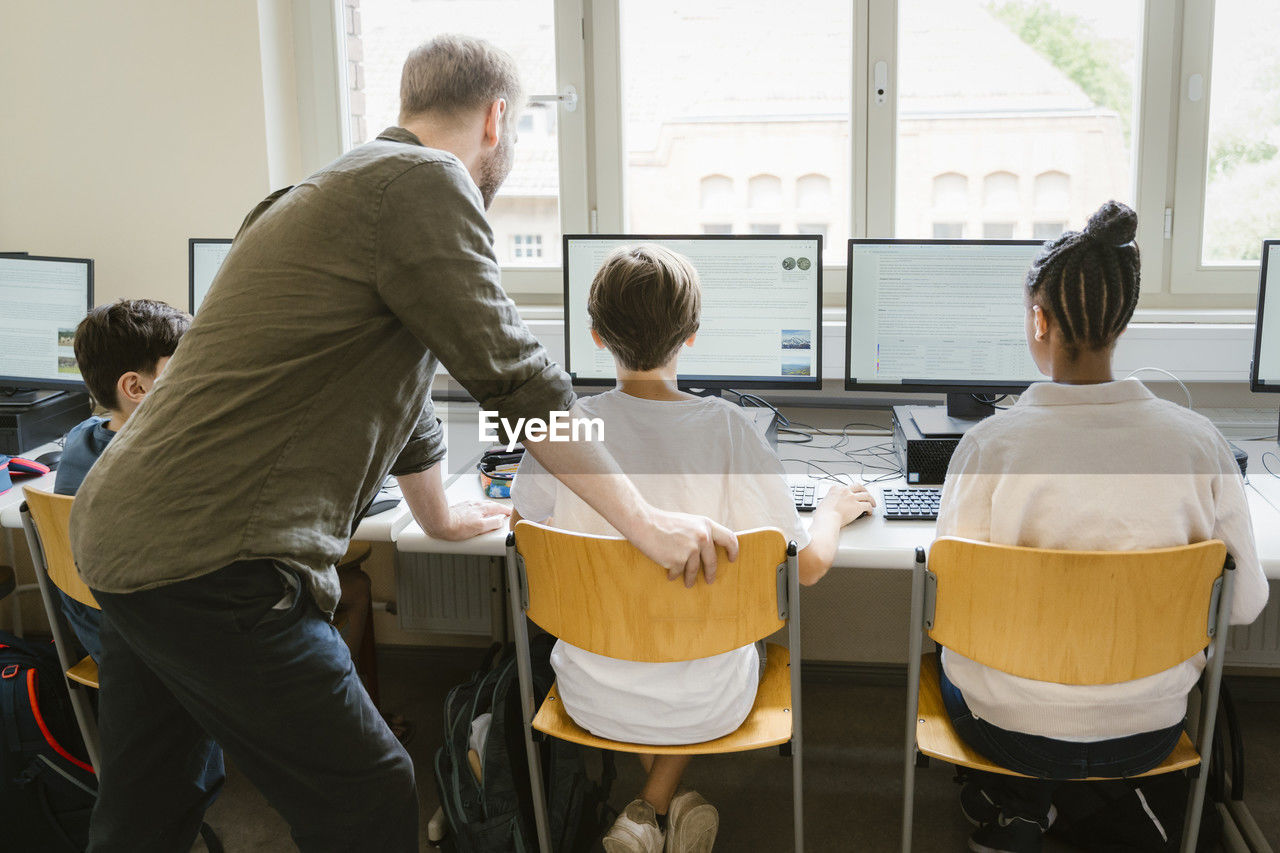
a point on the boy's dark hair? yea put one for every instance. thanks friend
(644, 303)
(1088, 280)
(127, 335)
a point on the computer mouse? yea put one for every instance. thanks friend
(50, 460)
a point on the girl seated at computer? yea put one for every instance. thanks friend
(1084, 462)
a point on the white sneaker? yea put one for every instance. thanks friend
(692, 823)
(635, 831)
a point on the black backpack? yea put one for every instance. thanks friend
(1147, 814)
(47, 787)
(494, 814)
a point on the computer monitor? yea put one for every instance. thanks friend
(204, 259)
(42, 300)
(1264, 370)
(939, 316)
(761, 309)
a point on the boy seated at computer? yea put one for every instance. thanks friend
(692, 454)
(121, 349)
(1084, 462)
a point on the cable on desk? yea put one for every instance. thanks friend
(1166, 373)
(1267, 465)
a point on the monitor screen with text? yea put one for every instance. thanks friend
(42, 300)
(205, 258)
(936, 314)
(1265, 375)
(761, 310)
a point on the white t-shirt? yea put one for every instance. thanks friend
(1106, 467)
(696, 456)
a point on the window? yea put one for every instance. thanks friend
(997, 230)
(721, 88)
(820, 230)
(950, 192)
(1047, 230)
(717, 193)
(761, 228)
(717, 229)
(813, 192)
(526, 246)
(988, 115)
(764, 192)
(1000, 191)
(380, 35)
(1052, 191)
(1010, 89)
(1242, 194)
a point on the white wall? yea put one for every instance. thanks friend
(127, 128)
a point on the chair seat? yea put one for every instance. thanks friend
(85, 672)
(768, 724)
(356, 554)
(936, 737)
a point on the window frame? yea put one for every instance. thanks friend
(1170, 141)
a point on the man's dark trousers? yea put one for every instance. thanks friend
(242, 658)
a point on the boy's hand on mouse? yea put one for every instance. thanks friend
(471, 518)
(847, 502)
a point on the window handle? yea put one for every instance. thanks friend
(569, 97)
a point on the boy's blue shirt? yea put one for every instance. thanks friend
(81, 448)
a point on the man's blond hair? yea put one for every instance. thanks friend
(455, 74)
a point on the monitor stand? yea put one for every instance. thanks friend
(961, 412)
(26, 396)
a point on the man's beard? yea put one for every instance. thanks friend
(495, 169)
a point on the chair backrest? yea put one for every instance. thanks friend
(1074, 617)
(601, 594)
(52, 516)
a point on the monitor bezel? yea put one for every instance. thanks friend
(710, 383)
(192, 242)
(932, 387)
(40, 382)
(1255, 382)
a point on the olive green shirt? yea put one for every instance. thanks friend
(305, 378)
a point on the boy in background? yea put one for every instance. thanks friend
(121, 349)
(685, 453)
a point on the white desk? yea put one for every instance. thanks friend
(872, 542)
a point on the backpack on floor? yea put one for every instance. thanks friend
(486, 799)
(47, 787)
(1147, 814)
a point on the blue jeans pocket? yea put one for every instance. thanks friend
(261, 593)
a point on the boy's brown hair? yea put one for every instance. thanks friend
(127, 335)
(644, 303)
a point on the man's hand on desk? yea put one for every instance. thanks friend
(471, 518)
(424, 492)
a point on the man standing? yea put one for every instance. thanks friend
(209, 528)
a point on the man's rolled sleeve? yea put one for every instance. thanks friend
(425, 447)
(442, 281)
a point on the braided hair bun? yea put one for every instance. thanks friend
(1088, 281)
(1113, 224)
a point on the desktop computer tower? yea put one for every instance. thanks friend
(924, 458)
(24, 428)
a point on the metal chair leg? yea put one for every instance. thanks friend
(525, 670)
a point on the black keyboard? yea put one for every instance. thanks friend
(805, 496)
(911, 504)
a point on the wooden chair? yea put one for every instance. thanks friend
(45, 519)
(601, 594)
(1069, 617)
